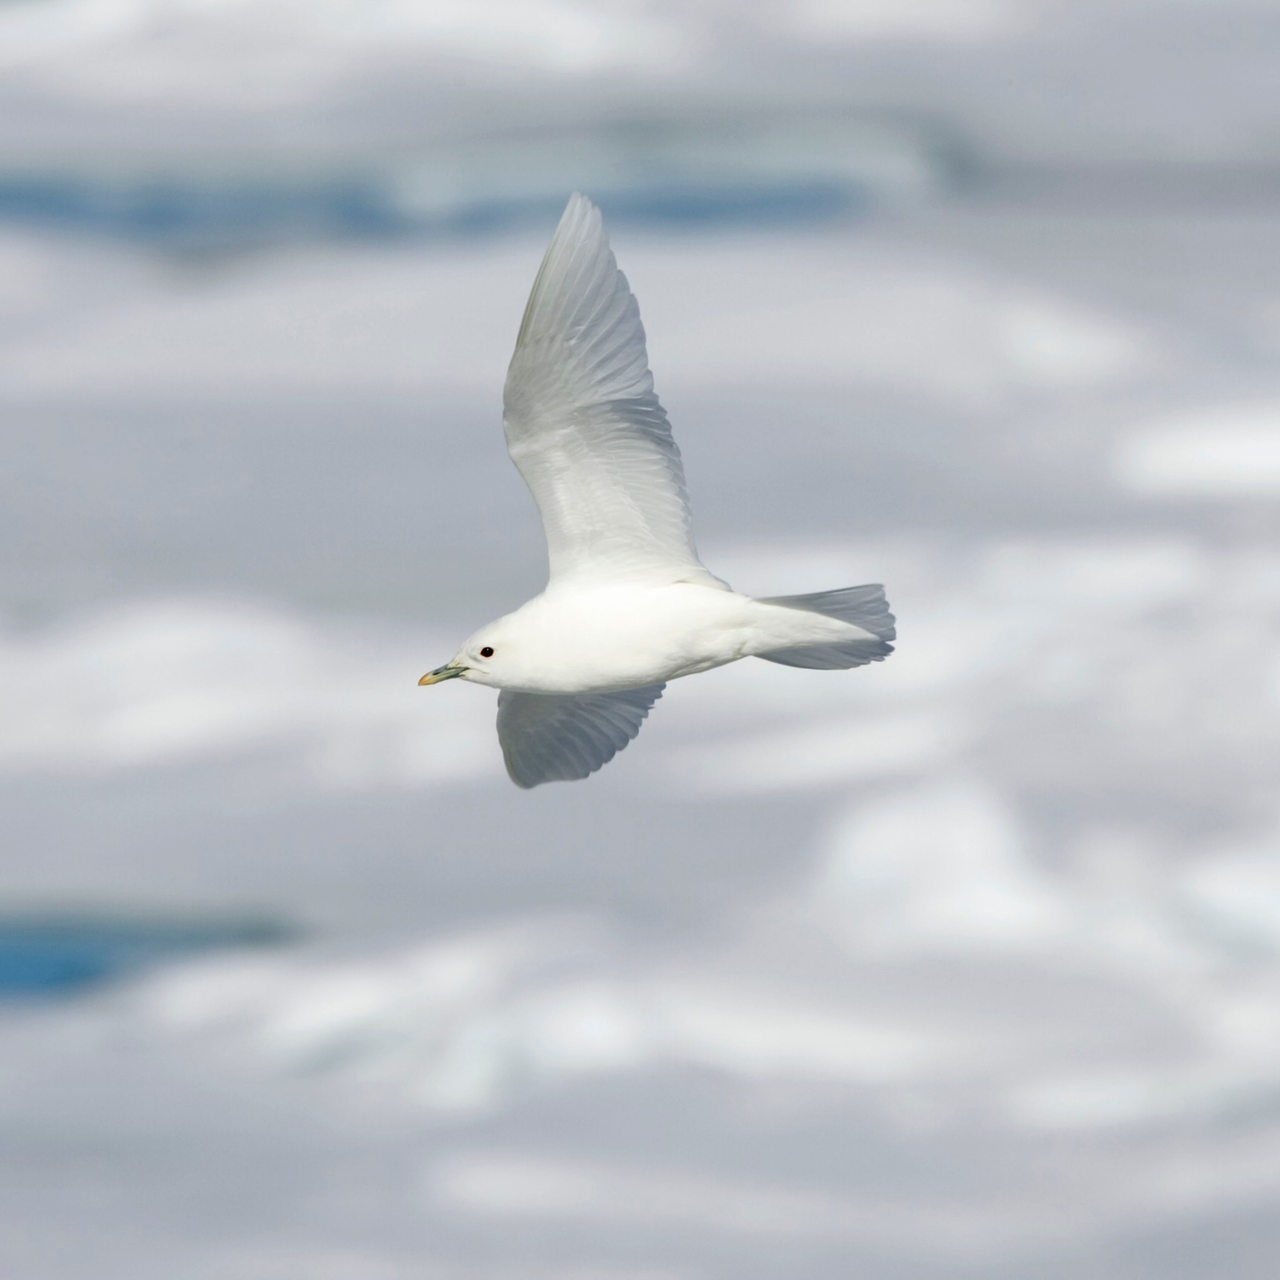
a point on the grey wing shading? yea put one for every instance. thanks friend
(560, 737)
(864, 607)
(584, 426)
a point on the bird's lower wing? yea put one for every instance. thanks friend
(583, 424)
(560, 737)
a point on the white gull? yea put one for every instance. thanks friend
(628, 604)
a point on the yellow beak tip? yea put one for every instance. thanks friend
(447, 672)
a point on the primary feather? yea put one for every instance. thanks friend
(549, 737)
(584, 426)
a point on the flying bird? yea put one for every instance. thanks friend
(628, 605)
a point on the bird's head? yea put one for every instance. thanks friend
(486, 658)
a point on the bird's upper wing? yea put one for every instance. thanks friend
(583, 423)
(560, 737)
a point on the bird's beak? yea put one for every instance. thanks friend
(447, 672)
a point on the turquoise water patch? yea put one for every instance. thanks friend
(53, 957)
(743, 169)
(191, 214)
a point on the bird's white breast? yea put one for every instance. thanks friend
(579, 639)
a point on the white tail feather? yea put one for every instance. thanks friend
(864, 607)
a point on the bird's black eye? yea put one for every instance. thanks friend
(487, 651)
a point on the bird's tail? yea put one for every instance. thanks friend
(864, 607)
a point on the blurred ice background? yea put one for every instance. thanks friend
(967, 966)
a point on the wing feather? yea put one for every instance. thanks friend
(553, 737)
(584, 426)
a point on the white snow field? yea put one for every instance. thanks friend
(966, 965)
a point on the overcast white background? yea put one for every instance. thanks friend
(966, 965)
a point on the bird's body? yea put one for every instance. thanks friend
(628, 605)
(627, 635)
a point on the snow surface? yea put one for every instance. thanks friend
(1221, 450)
(964, 966)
